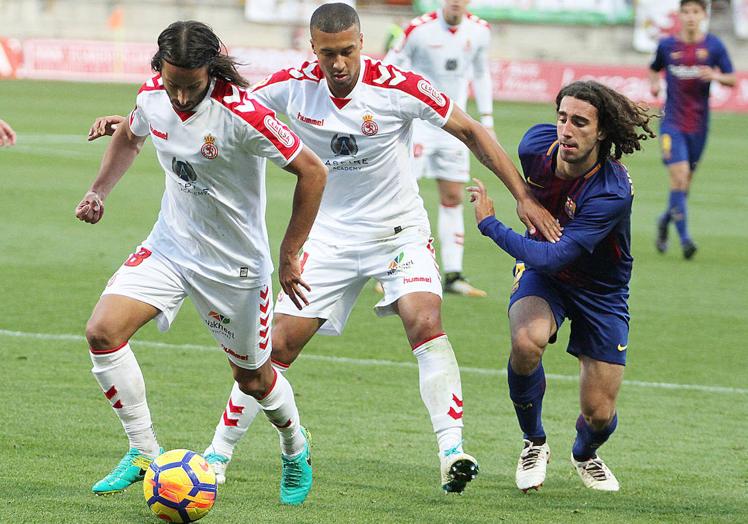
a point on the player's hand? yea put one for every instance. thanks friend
(707, 74)
(536, 217)
(91, 208)
(482, 203)
(7, 135)
(293, 285)
(654, 89)
(104, 126)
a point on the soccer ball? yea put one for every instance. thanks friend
(180, 486)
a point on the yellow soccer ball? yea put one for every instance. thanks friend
(180, 486)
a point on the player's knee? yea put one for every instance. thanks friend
(101, 335)
(451, 199)
(527, 350)
(251, 382)
(424, 328)
(285, 350)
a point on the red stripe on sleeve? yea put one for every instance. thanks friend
(262, 119)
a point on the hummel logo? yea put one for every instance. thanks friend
(622, 348)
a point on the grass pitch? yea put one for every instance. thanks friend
(679, 452)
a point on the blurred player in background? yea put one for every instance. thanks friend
(573, 170)
(450, 48)
(691, 60)
(209, 242)
(7, 135)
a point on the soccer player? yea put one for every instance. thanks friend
(7, 135)
(356, 114)
(209, 242)
(691, 60)
(450, 48)
(573, 170)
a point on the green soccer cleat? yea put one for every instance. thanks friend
(131, 469)
(296, 478)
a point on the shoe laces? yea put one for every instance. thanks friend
(212, 458)
(291, 473)
(596, 469)
(125, 463)
(530, 456)
(456, 450)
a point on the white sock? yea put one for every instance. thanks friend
(441, 390)
(241, 410)
(279, 406)
(118, 373)
(451, 237)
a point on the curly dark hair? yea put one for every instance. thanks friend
(618, 117)
(190, 44)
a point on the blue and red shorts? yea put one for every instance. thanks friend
(599, 321)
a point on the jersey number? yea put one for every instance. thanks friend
(137, 258)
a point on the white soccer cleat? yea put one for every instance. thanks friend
(531, 466)
(218, 462)
(595, 474)
(458, 468)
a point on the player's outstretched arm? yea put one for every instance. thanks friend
(492, 155)
(543, 256)
(312, 177)
(7, 135)
(654, 83)
(118, 157)
(104, 126)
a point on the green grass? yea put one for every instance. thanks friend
(680, 453)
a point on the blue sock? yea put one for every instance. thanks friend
(527, 393)
(588, 440)
(679, 214)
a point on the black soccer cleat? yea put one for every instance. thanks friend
(689, 250)
(661, 240)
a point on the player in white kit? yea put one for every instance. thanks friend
(356, 114)
(450, 48)
(209, 242)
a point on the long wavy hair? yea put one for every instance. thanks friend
(190, 44)
(624, 123)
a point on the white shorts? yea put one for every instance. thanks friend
(404, 263)
(239, 318)
(452, 165)
(439, 155)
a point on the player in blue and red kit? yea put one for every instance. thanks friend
(572, 169)
(691, 60)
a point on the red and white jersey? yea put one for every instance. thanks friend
(212, 218)
(450, 57)
(365, 142)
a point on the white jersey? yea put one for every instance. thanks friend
(212, 218)
(365, 142)
(450, 57)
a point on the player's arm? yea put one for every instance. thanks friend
(7, 135)
(311, 178)
(543, 256)
(657, 65)
(490, 153)
(483, 87)
(654, 83)
(118, 157)
(713, 74)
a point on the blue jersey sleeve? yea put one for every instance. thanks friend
(658, 64)
(543, 256)
(723, 59)
(537, 140)
(597, 218)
